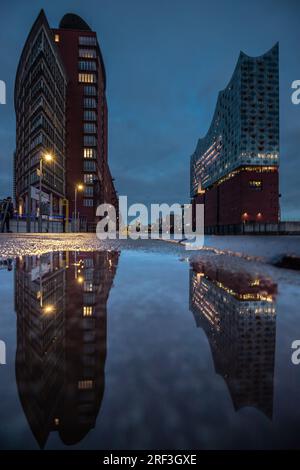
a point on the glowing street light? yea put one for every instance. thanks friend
(245, 217)
(78, 187)
(48, 309)
(48, 158)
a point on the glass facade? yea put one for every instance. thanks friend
(40, 95)
(245, 127)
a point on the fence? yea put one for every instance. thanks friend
(19, 224)
(281, 228)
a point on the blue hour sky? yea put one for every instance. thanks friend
(166, 61)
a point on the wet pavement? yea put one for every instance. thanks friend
(145, 346)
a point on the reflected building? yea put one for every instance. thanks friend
(237, 311)
(39, 286)
(61, 340)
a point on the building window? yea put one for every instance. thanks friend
(89, 298)
(89, 191)
(90, 103)
(88, 287)
(87, 65)
(88, 178)
(89, 153)
(89, 140)
(89, 165)
(56, 38)
(85, 384)
(87, 311)
(256, 185)
(90, 116)
(89, 263)
(88, 53)
(90, 90)
(88, 202)
(90, 128)
(87, 40)
(87, 77)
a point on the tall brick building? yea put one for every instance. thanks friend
(61, 109)
(40, 103)
(86, 117)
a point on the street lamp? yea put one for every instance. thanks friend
(78, 187)
(48, 158)
(48, 309)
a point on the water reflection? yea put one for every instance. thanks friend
(237, 311)
(61, 306)
(60, 302)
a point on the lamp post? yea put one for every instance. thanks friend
(78, 187)
(48, 158)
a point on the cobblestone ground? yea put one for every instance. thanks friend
(263, 248)
(12, 245)
(233, 253)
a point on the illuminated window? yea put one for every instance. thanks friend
(87, 77)
(255, 184)
(89, 153)
(87, 311)
(88, 53)
(85, 384)
(56, 37)
(88, 178)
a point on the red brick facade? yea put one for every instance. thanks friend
(250, 195)
(68, 43)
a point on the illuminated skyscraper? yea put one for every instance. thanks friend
(40, 102)
(234, 169)
(61, 109)
(87, 118)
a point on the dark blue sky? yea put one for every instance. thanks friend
(165, 60)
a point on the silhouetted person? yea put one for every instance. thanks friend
(8, 263)
(8, 213)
